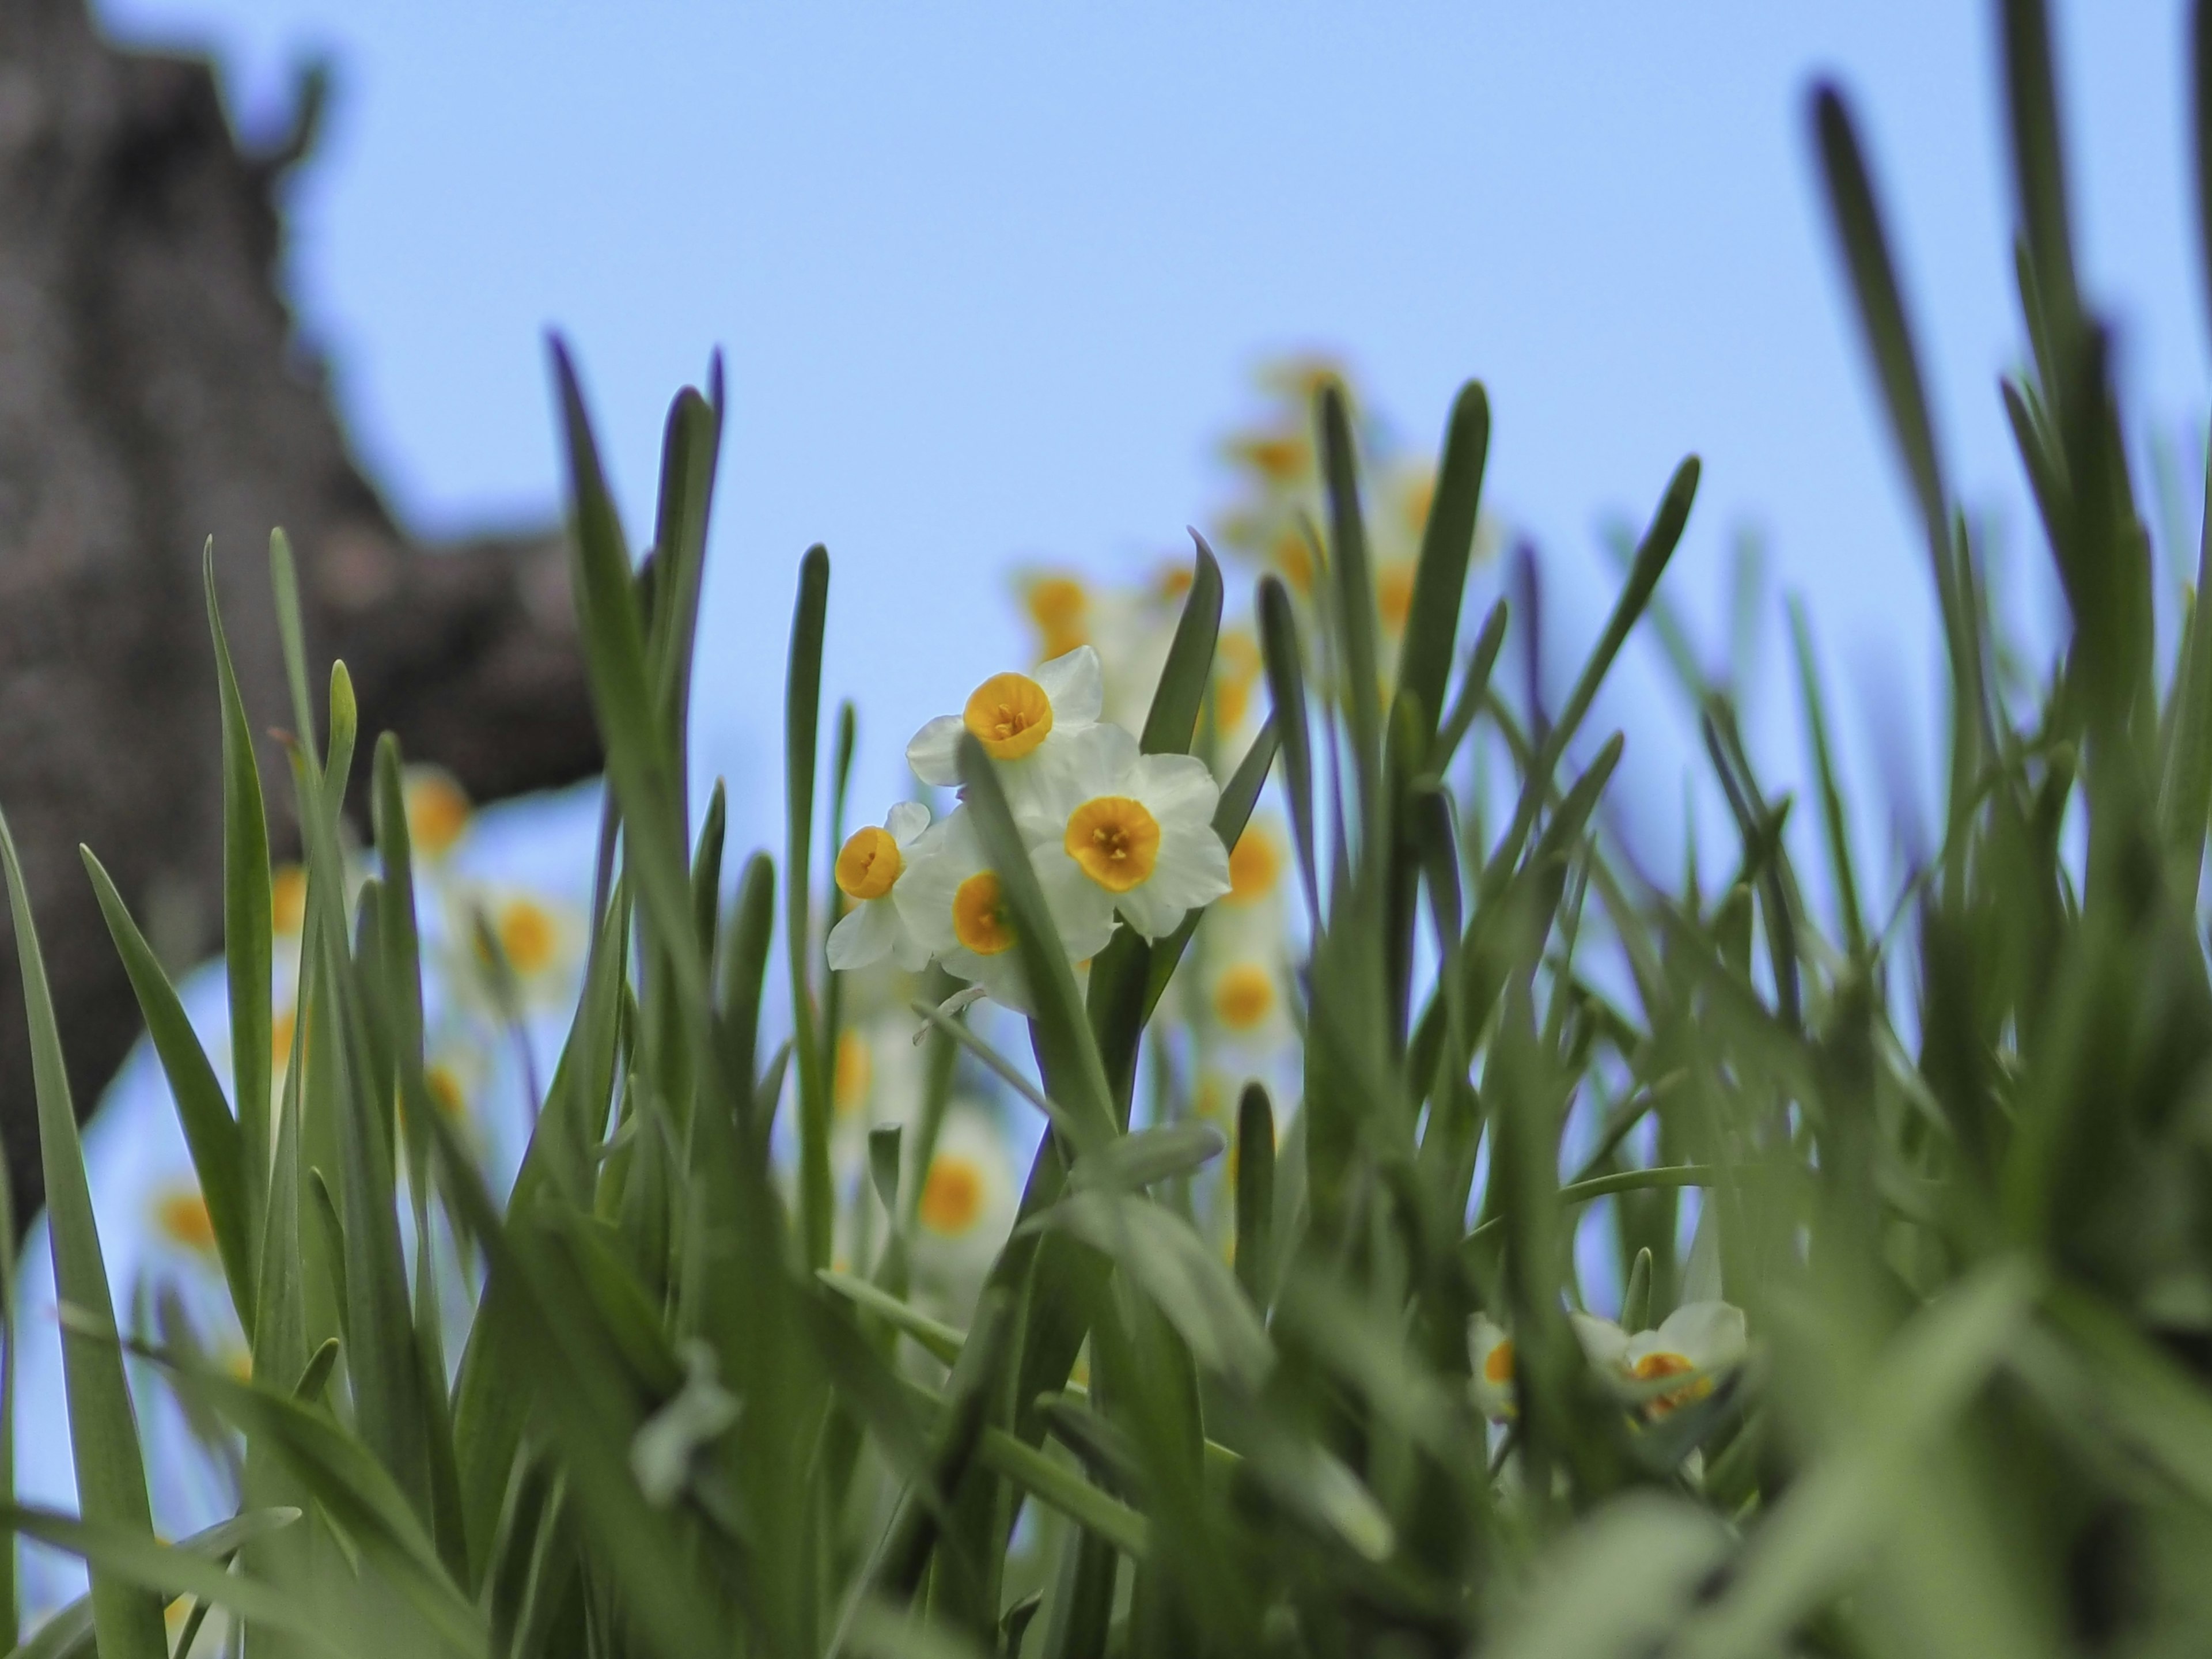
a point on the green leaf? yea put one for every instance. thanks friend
(211, 1133)
(111, 1481)
(1163, 1254)
(801, 716)
(2186, 798)
(245, 925)
(1062, 1489)
(1353, 581)
(1618, 1584)
(935, 1337)
(1172, 720)
(1256, 1191)
(884, 1155)
(1281, 654)
(1652, 553)
(1130, 1162)
(1811, 1543)
(291, 633)
(1447, 542)
(691, 446)
(193, 1564)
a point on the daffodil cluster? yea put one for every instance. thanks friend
(1114, 836)
(1700, 1342)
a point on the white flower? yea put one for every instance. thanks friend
(1024, 724)
(868, 869)
(966, 1205)
(1490, 1350)
(1117, 831)
(952, 904)
(1699, 1340)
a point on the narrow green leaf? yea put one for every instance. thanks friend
(1163, 1254)
(245, 925)
(801, 715)
(1256, 1191)
(1130, 1162)
(1062, 1489)
(291, 633)
(936, 1338)
(1279, 652)
(191, 1566)
(211, 1134)
(1447, 542)
(1172, 720)
(111, 1481)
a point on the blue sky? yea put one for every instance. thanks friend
(989, 277)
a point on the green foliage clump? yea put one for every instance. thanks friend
(1953, 1163)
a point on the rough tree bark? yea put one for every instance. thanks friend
(153, 393)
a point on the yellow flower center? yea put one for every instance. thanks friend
(979, 916)
(1279, 460)
(1653, 1366)
(1394, 594)
(952, 1196)
(528, 937)
(869, 863)
(287, 899)
(446, 1091)
(1243, 996)
(1497, 1363)
(1010, 715)
(1294, 560)
(1057, 605)
(1420, 496)
(854, 1070)
(182, 1215)
(437, 812)
(1255, 864)
(1115, 840)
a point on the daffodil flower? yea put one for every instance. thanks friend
(952, 905)
(965, 1207)
(1023, 723)
(1696, 1341)
(1490, 1352)
(868, 869)
(1117, 831)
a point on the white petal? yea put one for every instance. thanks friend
(1150, 911)
(1000, 975)
(1081, 910)
(906, 821)
(934, 752)
(1193, 867)
(1075, 687)
(1093, 761)
(909, 953)
(865, 935)
(1175, 786)
(1605, 1344)
(942, 858)
(1708, 1335)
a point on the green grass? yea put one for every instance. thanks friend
(1955, 1165)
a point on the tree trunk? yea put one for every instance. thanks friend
(153, 393)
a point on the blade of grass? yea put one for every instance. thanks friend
(211, 1134)
(246, 924)
(111, 1479)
